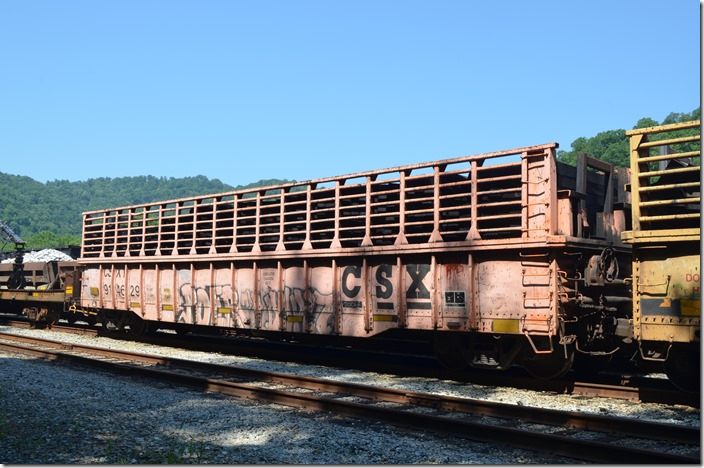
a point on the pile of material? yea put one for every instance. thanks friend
(44, 255)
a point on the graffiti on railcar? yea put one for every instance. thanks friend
(295, 299)
(309, 302)
(199, 310)
(301, 300)
(312, 304)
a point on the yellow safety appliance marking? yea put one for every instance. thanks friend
(505, 325)
(690, 307)
(383, 318)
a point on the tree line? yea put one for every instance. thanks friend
(50, 214)
(612, 146)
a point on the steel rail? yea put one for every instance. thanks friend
(624, 391)
(586, 421)
(554, 444)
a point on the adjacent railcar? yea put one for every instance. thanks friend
(42, 291)
(666, 240)
(499, 258)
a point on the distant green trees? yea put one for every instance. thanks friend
(47, 239)
(612, 145)
(50, 214)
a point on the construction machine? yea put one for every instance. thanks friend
(16, 280)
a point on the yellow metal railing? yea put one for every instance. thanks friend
(666, 180)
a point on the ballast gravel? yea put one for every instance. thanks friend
(42, 256)
(56, 414)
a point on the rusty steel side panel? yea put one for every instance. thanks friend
(516, 296)
(223, 297)
(91, 288)
(456, 293)
(488, 294)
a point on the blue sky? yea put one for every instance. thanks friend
(301, 89)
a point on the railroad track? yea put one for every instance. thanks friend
(618, 387)
(472, 419)
(632, 388)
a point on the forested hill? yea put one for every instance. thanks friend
(30, 207)
(612, 146)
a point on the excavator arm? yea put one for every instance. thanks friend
(16, 280)
(8, 235)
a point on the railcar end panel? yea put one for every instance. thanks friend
(668, 296)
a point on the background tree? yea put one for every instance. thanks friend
(50, 215)
(612, 146)
(47, 239)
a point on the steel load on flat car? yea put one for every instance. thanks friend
(501, 258)
(666, 240)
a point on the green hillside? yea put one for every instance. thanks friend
(49, 214)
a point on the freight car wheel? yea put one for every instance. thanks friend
(52, 316)
(549, 366)
(683, 368)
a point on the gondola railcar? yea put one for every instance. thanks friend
(499, 258)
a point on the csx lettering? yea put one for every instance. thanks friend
(384, 289)
(356, 272)
(384, 286)
(417, 289)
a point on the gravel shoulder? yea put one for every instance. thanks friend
(53, 414)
